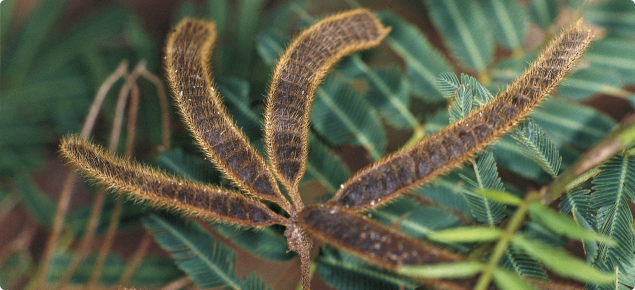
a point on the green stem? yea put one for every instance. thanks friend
(513, 226)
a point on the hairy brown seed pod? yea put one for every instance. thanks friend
(161, 190)
(298, 73)
(394, 174)
(188, 52)
(374, 242)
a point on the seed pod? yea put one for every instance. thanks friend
(162, 190)
(298, 73)
(394, 174)
(188, 52)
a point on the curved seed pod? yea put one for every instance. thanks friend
(368, 239)
(161, 190)
(412, 167)
(298, 73)
(188, 52)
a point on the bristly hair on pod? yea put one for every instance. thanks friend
(298, 73)
(188, 53)
(403, 170)
(161, 190)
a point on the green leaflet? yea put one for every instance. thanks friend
(508, 19)
(508, 281)
(500, 196)
(578, 203)
(423, 61)
(153, 271)
(185, 9)
(447, 191)
(617, 16)
(270, 44)
(242, 54)
(464, 29)
(563, 225)
(38, 204)
(587, 82)
(389, 93)
(188, 166)
(341, 116)
(568, 124)
(208, 262)
(235, 95)
(544, 12)
(345, 272)
(461, 104)
(572, 123)
(444, 270)
(614, 186)
(614, 53)
(327, 168)
(417, 220)
(518, 261)
(466, 234)
(218, 11)
(486, 211)
(31, 40)
(90, 36)
(561, 262)
(447, 83)
(626, 277)
(537, 145)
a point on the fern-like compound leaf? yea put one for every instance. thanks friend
(464, 28)
(516, 260)
(483, 209)
(461, 103)
(236, 98)
(578, 203)
(423, 61)
(613, 15)
(448, 83)
(327, 168)
(587, 82)
(346, 272)
(544, 12)
(208, 262)
(342, 116)
(508, 20)
(538, 146)
(389, 93)
(614, 186)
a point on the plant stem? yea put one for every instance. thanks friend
(513, 226)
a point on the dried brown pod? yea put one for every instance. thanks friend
(161, 190)
(298, 73)
(401, 171)
(188, 52)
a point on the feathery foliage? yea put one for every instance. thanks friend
(209, 263)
